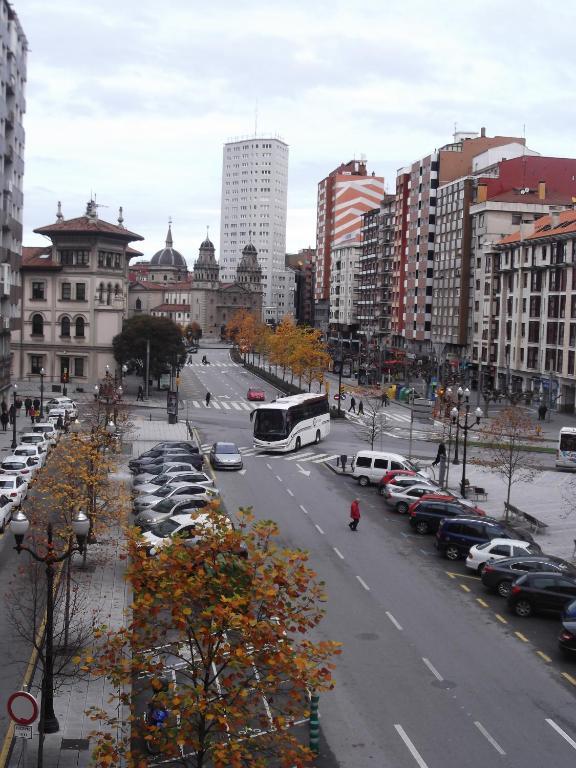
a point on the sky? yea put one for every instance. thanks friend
(133, 100)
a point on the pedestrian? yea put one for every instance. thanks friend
(544, 411)
(4, 420)
(28, 405)
(541, 412)
(208, 396)
(3, 406)
(59, 423)
(66, 424)
(361, 408)
(11, 413)
(18, 404)
(440, 452)
(386, 400)
(36, 404)
(32, 414)
(352, 405)
(140, 395)
(354, 514)
(343, 461)
(440, 461)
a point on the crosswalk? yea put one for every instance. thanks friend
(193, 364)
(222, 405)
(301, 457)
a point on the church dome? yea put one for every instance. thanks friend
(169, 256)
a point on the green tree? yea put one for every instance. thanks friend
(166, 344)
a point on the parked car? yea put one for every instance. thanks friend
(256, 394)
(6, 507)
(400, 499)
(48, 430)
(225, 456)
(23, 466)
(198, 478)
(370, 466)
(403, 478)
(500, 574)
(172, 492)
(455, 537)
(187, 445)
(67, 403)
(26, 449)
(498, 549)
(170, 468)
(188, 526)
(36, 438)
(165, 508)
(14, 487)
(567, 636)
(541, 593)
(144, 465)
(162, 450)
(427, 513)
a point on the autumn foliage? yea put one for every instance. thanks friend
(220, 639)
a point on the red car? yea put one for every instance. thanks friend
(256, 394)
(391, 474)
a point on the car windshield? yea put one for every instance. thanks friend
(32, 439)
(226, 448)
(532, 549)
(12, 465)
(269, 424)
(165, 505)
(165, 528)
(163, 491)
(25, 452)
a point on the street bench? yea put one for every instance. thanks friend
(475, 492)
(533, 522)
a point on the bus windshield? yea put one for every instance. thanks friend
(567, 441)
(269, 424)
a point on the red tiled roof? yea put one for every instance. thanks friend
(542, 228)
(514, 196)
(85, 224)
(171, 308)
(133, 251)
(38, 258)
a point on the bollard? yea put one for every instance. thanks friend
(314, 724)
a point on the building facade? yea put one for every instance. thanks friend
(12, 139)
(253, 210)
(302, 264)
(344, 271)
(74, 300)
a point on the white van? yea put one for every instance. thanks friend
(370, 466)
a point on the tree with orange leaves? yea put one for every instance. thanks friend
(219, 641)
(243, 329)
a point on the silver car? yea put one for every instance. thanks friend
(400, 498)
(166, 508)
(225, 456)
(194, 477)
(164, 469)
(169, 491)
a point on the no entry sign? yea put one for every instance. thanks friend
(23, 708)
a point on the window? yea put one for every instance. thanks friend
(36, 363)
(37, 325)
(78, 366)
(80, 291)
(363, 461)
(74, 258)
(138, 305)
(109, 294)
(380, 464)
(39, 291)
(66, 291)
(101, 293)
(65, 326)
(80, 327)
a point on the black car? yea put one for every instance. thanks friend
(426, 515)
(455, 537)
(499, 575)
(541, 592)
(154, 452)
(567, 636)
(146, 466)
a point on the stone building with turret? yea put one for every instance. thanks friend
(164, 287)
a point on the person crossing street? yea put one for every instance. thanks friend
(208, 396)
(355, 515)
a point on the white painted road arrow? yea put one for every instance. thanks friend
(304, 471)
(243, 472)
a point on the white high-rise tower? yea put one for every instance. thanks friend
(253, 210)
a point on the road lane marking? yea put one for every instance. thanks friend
(481, 602)
(300, 456)
(501, 618)
(361, 580)
(569, 678)
(340, 555)
(318, 529)
(542, 655)
(490, 739)
(562, 733)
(326, 458)
(215, 405)
(304, 509)
(289, 491)
(464, 587)
(226, 406)
(278, 478)
(413, 751)
(394, 621)
(235, 406)
(452, 575)
(522, 637)
(269, 466)
(433, 669)
(195, 403)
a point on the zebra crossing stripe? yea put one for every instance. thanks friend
(314, 457)
(195, 403)
(325, 458)
(245, 406)
(215, 404)
(298, 456)
(235, 406)
(226, 406)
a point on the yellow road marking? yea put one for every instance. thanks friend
(522, 637)
(543, 656)
(451, 575)
(501, 618)
(464, 587)
(569, 678)
(483, 603)
(462, 575)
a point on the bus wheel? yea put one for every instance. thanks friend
(317, 436)
(298, 444)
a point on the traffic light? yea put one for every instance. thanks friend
(64, 378)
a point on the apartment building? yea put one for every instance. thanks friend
(343, 288)
(302, 264)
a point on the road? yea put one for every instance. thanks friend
(432, 672)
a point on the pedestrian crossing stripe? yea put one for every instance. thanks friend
(226, 405)
(211, 365)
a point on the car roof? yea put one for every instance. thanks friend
(381, 454)
(14, 459)
(222, 444)
(547, 575)
(532, 558)
(519, 542)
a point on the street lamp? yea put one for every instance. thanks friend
(42, 374)
(14, 394)
(19, 527)
(462, 394)
(465, 427)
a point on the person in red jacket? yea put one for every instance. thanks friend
(355, 515)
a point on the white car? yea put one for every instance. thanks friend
(36, 438)
(55, 413)
(498, 549)
(6, 507)
(22, 466)
(14, 487)
(400, 498)
(35, 451)
(64, 402)
(190, 527)
(170, 491)
(48, 430)
(193, 476)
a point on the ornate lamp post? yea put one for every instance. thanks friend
(462, 395)
(14, 395)
(42, 374)
(19, 526)
(465, 427)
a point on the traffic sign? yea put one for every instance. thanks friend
(23, 731)
(23, 708)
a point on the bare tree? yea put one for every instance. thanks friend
(373, 421)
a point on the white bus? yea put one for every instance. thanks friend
(566, 453)
(291, 422)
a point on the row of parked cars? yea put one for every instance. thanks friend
(18, 470)
(169, 487)
(505, 556)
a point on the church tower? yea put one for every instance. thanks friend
(206, 268)
(249, 272)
